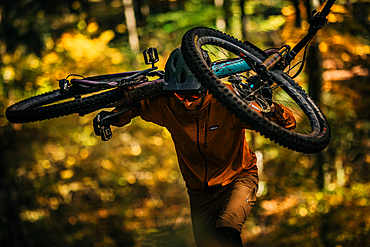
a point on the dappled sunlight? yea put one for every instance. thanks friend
(81, 47)
(278, 207)
(63, 184)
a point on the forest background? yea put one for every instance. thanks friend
(62, 186)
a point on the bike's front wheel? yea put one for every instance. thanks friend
(232, 62)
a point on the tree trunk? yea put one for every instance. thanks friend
(227, 14)
(298, 17)
(11, 230)
(243, 20)
(131, 26)
(314, 74)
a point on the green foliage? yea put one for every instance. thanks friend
(165, 30)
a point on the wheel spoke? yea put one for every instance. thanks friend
(233, 79)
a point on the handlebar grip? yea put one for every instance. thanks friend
(326, 10)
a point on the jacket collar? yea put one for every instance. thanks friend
(177, 107)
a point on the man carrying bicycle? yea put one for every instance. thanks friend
(215, 160)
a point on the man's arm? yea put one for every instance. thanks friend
(125, 117)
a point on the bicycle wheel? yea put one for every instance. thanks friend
(78, 99)
(53, 105)
(232, 62)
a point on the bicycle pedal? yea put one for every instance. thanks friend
(106, 133)
(151, 56)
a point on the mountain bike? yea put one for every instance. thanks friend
(217, 60)
(252, 73)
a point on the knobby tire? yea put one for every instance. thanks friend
(46, 106)
(50, 105)
(314, 141)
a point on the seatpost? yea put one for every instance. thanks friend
(318, 20)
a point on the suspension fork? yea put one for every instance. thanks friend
(276, 58)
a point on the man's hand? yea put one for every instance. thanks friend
(102, 123)
(272, 108)
(282, 116)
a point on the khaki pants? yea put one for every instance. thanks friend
(228, 206)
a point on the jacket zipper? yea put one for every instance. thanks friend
(200, 151)
(205, 135)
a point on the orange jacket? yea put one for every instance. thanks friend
(211, 147)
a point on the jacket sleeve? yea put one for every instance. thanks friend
(281, 116)
(149, 109)
(125, 118)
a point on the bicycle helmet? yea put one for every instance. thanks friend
(177, 76)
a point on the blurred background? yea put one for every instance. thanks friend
(62, 186)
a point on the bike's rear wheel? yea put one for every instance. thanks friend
(312, 133)
(53, 104)
(78, 99)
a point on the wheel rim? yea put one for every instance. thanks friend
(252, 93)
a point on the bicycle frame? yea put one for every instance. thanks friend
(135, 85)
(136, 79)
(123, 79)
(285, 53)
(318, 21)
